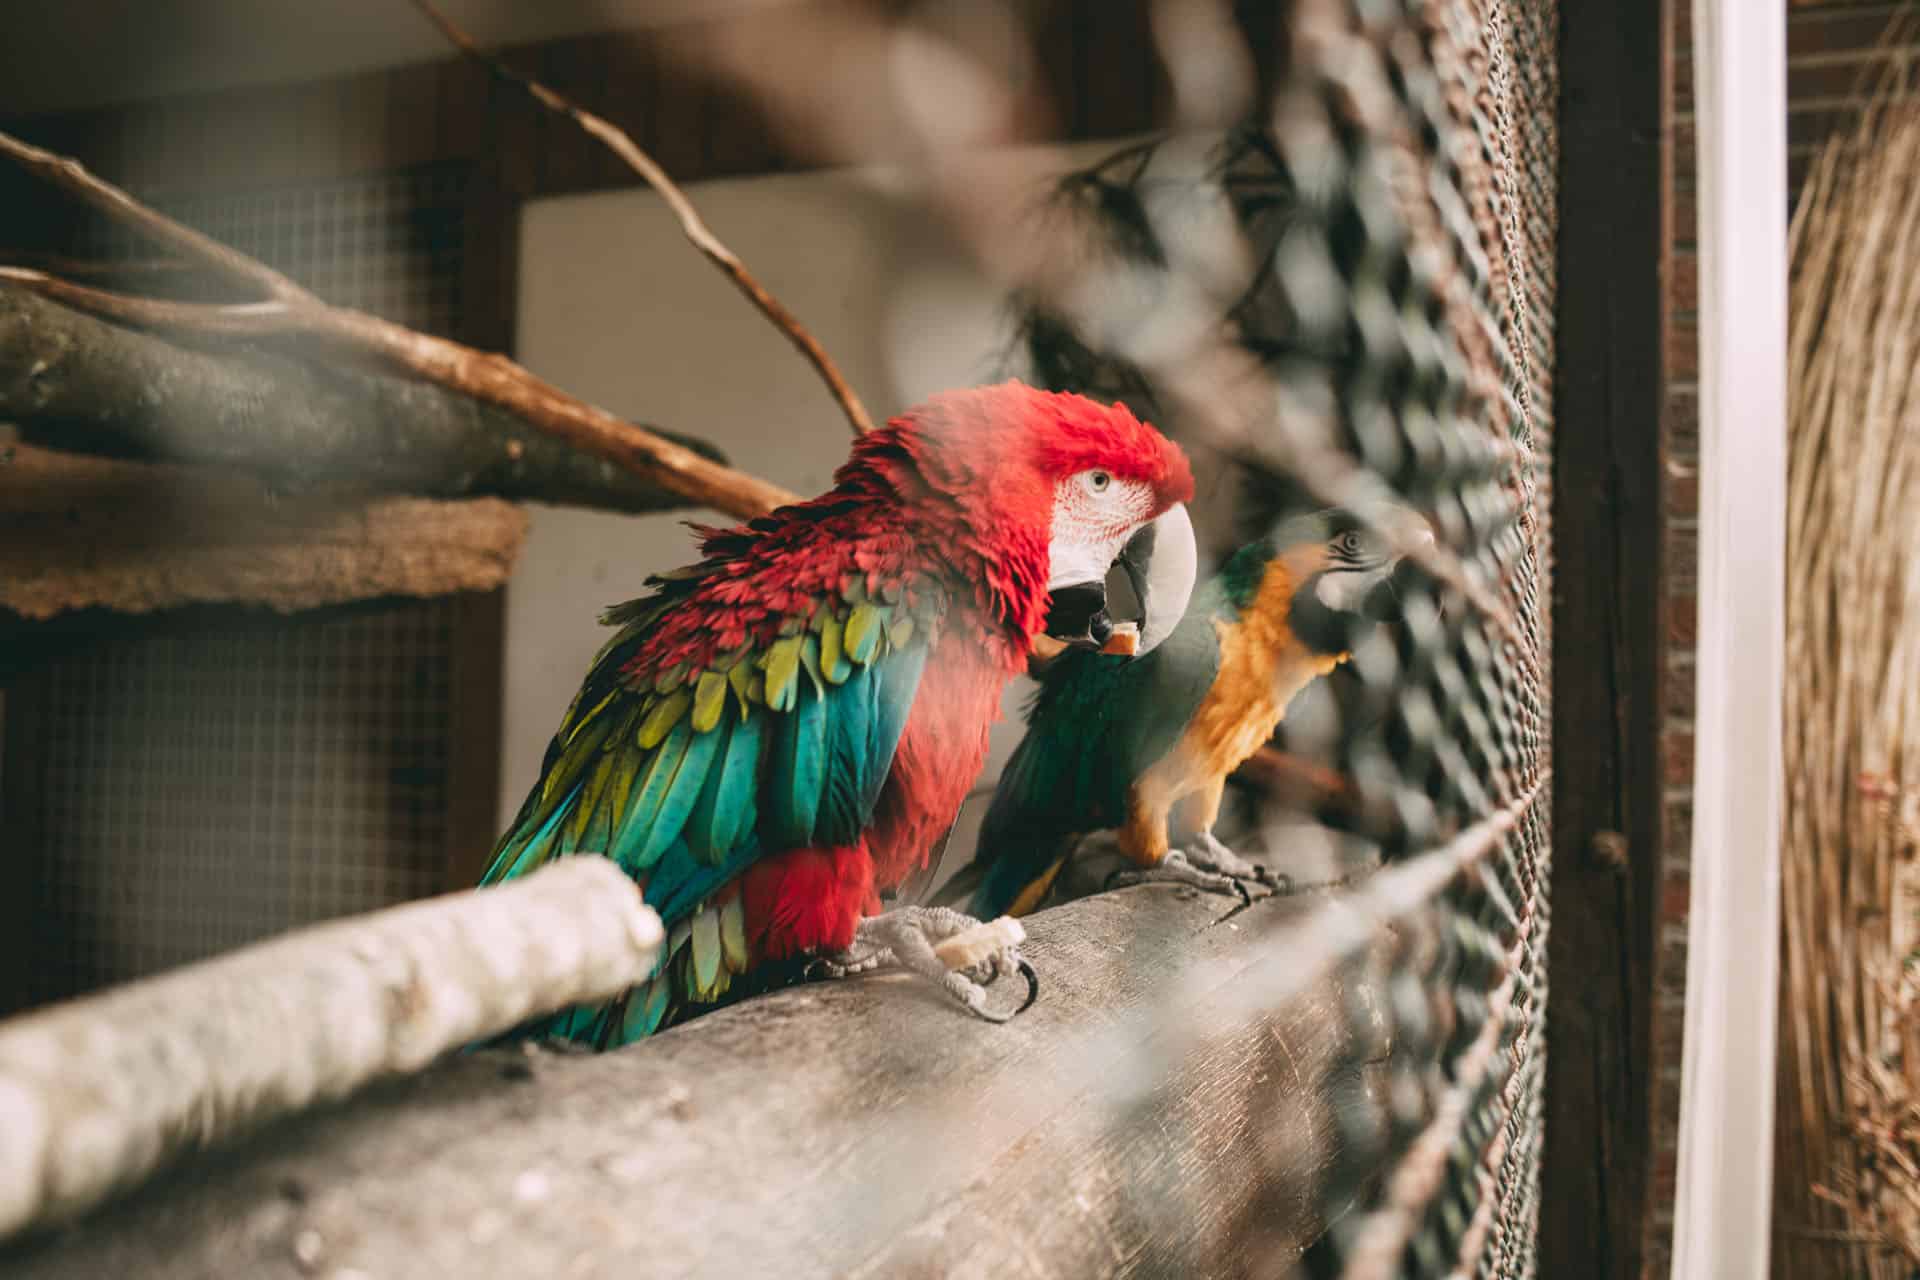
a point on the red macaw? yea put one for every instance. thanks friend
(784, 730)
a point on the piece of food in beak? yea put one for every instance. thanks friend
(1077, 615)
(1125, 640)
(1159, 564)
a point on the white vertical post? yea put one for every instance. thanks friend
(1724, 1209)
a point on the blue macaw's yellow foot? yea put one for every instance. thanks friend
(911, 938)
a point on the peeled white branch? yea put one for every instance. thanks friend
(98, 1093)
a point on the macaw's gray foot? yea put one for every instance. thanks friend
(1205, 864)
(1177, 868)
(1208, 854)
(926, 940)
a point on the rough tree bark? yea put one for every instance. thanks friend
(96, 1093)
(76, 382)
(1136, 1120)
(80, 532)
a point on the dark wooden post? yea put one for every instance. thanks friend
(1607, 625)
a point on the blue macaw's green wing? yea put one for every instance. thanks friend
(687, 778)
(1096, 724)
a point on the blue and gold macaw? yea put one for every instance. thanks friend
(1142, 750)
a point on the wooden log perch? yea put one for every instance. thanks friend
(79, 532)
(81, 383)
(97, 1093)
(1137, 1118)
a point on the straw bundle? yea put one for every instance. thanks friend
(1848, 1176)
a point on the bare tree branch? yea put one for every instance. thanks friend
(621, 144)
(73, 178)
(100, 268)
(291, 309)
(76, 382)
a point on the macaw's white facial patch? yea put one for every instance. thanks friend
(1358, 560)
(1343, 590)
(1094, 514)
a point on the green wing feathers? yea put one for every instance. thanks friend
(686, 777)
(1095, 725)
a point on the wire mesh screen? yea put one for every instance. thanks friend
(210, 783)
(1393, 351)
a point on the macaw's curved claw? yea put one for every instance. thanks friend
(844, 964)
(1033, 986)
(973, 994)
(912, 937)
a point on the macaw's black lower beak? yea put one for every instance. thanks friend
(1152, 576)
(1077, 615)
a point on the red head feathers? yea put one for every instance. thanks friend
(992, 489)
(1013, 439)
(1023, 489)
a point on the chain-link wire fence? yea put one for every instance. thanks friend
(1397, 209)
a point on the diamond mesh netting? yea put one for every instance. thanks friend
(1399, 203)
(200, 790)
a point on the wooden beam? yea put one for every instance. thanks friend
(80, 532)
(1607, 629)
(1134, 1118)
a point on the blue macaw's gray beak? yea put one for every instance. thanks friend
(1160, 563)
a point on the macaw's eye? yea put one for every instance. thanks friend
(1348, 543)
(1096, 482)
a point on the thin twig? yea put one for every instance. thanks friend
(621, 144)
(98, 268)
(290, 309)
(234, 319)
(73, 178)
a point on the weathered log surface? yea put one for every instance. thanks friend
(97, 1093)
(76, 382)
(79, 532)
(1129, 1123)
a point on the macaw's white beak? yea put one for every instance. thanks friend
(1160, 562)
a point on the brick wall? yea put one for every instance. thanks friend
(1680, 449)
(1835, 53)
